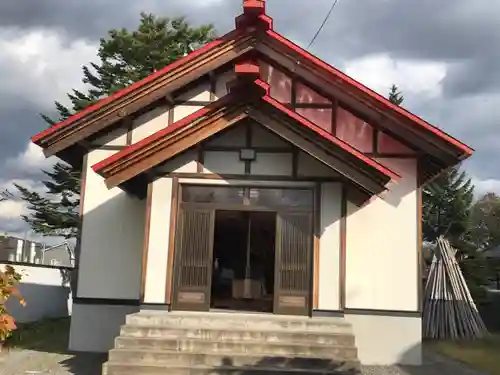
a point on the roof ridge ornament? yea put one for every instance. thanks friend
(254, 6)
(254, 16)
(248, 80)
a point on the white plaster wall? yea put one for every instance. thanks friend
(235, 137)
(329, 246)
(223, 162)
(159, 233)
(184, 163)
(149, 123)
(381, 247)
(264, 138)
(307, 166)
(117, 137)
(198, 93)
(181, 111)
(112, 239)
(221, 83)
(94, 327)
(46, 292)
(387, 340)
(272, 164)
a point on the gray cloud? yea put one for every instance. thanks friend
(18, 124)
(460, 31)
(463, 34)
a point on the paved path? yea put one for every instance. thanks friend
(28, 362)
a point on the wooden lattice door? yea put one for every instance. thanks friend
(193, 260)
(294, 238)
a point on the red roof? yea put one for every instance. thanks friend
(254, 17)
(144, 143)
(133, 86)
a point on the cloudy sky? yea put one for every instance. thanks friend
(443, 55)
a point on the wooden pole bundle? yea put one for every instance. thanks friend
(449, 310)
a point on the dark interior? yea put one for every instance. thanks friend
(241, 235)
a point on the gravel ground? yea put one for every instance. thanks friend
(28, 362)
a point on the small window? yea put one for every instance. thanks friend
(55, 262)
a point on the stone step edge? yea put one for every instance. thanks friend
(177, 327)
(225, 354)
(240, 316)
(355, 366)
(242, 342)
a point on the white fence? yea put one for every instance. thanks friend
(45, 289)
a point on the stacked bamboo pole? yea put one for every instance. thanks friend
(449, 310)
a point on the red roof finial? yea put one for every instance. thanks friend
(254, 15)
(254, 7)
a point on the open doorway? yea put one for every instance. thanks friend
(244, 261)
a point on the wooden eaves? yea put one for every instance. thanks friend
(254, 35)
(137, 160)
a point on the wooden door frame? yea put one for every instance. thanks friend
(314, 211)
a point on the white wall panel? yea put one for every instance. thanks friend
(149, 123)
(117, 137)
(181, 111)
(158, 245)
(272, 164)
(223, 162)
(381, 259)
(183, 163)
(308, 166)
(112, 238)
(221, 83)
(199, 93)
(265, 138)
(329, 246)
(234, 137)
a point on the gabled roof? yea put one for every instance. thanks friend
(253, 33)
(248, 98)
(156, 86)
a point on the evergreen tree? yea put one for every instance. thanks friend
(125, 57)
(484, 222)
(395, 96)
(447, 203)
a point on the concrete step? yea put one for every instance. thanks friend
(238, 321)
(136, 347)
(226, 369)
(214, 359)
(232, 334)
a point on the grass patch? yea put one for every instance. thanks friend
(50, 335)
(483, 354)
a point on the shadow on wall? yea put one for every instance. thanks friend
(46, 292)
(110, 256)
(42, 301)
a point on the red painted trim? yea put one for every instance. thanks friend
(159, 134)
(247, 67)
(264, 85)
(37, 138)
(336, 141)
(350, 81)
(225, 101)
(254, 6)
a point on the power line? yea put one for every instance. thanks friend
(323, 24)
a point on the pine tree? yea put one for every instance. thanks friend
(125, 57)
(395, 96)
(447, 203)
